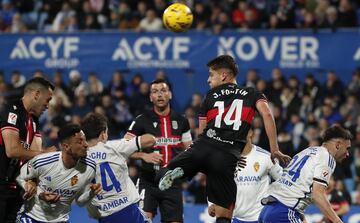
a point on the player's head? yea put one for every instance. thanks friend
(160, 93)
(223, 69)
(95, 126)
(338, 140)
(38, 91)
(72, 141)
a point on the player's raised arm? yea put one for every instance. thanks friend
(270, 128)
(134, 146)
(146, 141)
(147, 157)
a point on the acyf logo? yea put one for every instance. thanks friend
(147, 52)
(57, 51)
(290, 51)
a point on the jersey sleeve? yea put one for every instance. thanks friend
(28, 171)
(186, 133)
(259, 96)
(275, 170)
(324, 167)
(9, 119)
(125, 147)
(203, 109)
(136, 128)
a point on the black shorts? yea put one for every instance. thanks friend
(219, 167)
(10, 203)
(170, 202)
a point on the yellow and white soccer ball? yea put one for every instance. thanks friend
(177, 17)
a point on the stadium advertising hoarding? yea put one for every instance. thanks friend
(261, 50)
(294, 52)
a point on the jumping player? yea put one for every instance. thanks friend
(225, 119)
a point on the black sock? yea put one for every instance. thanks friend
(223, 220)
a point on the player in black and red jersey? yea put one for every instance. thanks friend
(172, 132)
(225, 119)
(20, 140)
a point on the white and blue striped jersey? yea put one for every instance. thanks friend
(53, 176)
(294, 188)
(112, 172)
(252, 183)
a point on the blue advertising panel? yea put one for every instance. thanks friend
(182, 56)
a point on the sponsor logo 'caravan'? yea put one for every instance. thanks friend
(147, 52)
(289, 51)
(56, 52)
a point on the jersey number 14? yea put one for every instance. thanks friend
(232, 115)
(295, 167)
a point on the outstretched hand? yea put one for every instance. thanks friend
(30, 189)
(153, 158)
(96, 188)
(284, 159)
(49, 197)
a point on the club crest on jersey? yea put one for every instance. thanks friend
(256, 166)
(174, 124)
(12, 118)
(155, 124)
(74, 180)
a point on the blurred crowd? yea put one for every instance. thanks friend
(74, 15)
(303, 109)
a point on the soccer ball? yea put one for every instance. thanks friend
(177, 17)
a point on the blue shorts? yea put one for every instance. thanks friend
(23, 218)
(132, 214)
(279, 213)
(235, 220)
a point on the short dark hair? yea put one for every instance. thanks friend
(38, 83)
(224, 62)
(336, 132)
(93, 124)
(160, 81)
(68, 131)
